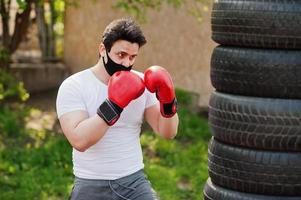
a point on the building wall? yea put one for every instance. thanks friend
(176, 41)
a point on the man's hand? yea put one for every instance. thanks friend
(158, 80)
(123, 87)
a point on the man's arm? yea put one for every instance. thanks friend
(162, 117)
(81, 131)
(165, 127)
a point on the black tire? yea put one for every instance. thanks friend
(253, 171)
(253, 23)
(260, 123)
(257, 72)
(215, 192)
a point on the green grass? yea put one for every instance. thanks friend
(177, 168)
(36, 164)
(43, 172)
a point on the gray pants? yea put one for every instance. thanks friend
(133, 187)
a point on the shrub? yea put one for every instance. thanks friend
(12, 108)
(11, 89)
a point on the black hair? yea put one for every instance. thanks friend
(122, 29)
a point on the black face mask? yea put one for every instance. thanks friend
(112, 67)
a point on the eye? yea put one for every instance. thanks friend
(132, 57)
(121, 54)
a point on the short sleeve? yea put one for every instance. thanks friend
(151, 99)
(69, 98)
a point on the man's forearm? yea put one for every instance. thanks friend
(89, 132)
(168, 127)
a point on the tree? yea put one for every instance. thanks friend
(138, 8)
(10, 43)
(46, 30)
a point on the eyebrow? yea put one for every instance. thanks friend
(121, 51)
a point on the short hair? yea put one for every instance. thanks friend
(122, 29)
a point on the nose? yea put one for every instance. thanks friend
(126, 62)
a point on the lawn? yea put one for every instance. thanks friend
(36, 163)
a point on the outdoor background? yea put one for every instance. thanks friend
(43, 42)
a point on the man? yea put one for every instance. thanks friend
(101, 110)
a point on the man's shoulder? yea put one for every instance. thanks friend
(140, 74)
(80, 76)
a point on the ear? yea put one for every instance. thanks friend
(102, 49)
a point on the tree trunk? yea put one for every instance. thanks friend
(42, 33)
(21, 26)
(4, 10)
(46, 33)
(51, 36)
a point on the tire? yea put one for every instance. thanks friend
(259, 123)
(215, 192)
(254, 171)
(257, 72)
(253, 23)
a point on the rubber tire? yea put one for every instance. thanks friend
(257, 72)
(254, 171)
(259, 123)
(215, 192)
(253, 23)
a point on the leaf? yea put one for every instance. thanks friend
(22, 4)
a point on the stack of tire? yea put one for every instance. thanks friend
(255, 112)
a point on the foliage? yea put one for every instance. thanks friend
(22, 4)
(177, 168)
(12, 120)
(36, 163)
(183, 97)
(4, 55)
(139, 8)
(40, 173)
(10, 88)
(12, 109)
(58, 14)
(4, 58)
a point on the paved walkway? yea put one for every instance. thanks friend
(44, 116)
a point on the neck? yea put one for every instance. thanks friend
(100, 72)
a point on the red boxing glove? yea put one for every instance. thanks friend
(123, 87)
(158, 80)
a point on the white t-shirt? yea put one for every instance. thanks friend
(118, 153)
